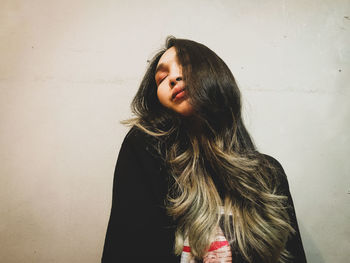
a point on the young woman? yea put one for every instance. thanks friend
(189, 184)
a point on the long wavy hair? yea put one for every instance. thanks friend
(220, 179)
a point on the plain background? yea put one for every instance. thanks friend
(69, 70)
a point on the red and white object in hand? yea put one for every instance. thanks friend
(219, 251)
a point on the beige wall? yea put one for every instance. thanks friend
(69, 70)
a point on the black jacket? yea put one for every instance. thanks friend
(139, 229)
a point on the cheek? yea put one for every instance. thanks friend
(162, 95)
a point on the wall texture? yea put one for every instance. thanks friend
(69, 70)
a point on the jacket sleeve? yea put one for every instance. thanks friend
(294, 243)
(138, 228)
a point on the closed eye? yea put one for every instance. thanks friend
(161, 79)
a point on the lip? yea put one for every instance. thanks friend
(177, 93)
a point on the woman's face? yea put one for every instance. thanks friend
(170, 84)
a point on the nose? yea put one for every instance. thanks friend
(175, 80)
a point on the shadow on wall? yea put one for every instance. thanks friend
(313, 254)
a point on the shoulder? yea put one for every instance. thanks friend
(135, 135)
(272, 162)
(139, 138)
(141, 143)
(276, 169)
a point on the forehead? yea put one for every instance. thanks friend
(168, 56)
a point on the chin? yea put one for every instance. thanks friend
(185, 109)
(185, 112)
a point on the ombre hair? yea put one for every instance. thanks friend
(213, 161)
